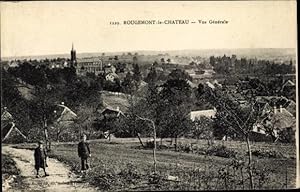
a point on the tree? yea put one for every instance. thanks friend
(203, 129)
(152, 76)
(175, 95)
(237, 118)
(16, 104)
(179, 74)
(154, 64)
(137, 76)
(128, 84)
(135, 59)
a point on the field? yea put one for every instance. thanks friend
(122, 165)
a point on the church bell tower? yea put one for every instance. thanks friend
(73, 56)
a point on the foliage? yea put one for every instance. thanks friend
(231, 65)
(179, 74)
(221, 151)
(137, 76)
(9, 165)
(203, 128)
(129, 85)
(261, 153)
(152, 76)
(47, 88)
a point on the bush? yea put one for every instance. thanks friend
(267, 153)
(103, 177)
(150, 144)
(221, 151)
(130, 174)
(155, 178)
(9, 166)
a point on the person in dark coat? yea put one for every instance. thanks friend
(40, 156)
(84, 152)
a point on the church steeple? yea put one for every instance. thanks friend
(73, 56)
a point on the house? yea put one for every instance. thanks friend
(109, 112)
(109, 68)
(110, 73)
(209, 84)
(67, 116)
(109, 116)
(286, 103)
(191, 72)
(215, 82)
(111, 77)
(193, 85)
(209, 113)
(288, 89)
(278, 120)
(287, 85)
(13, 64)
(9, 132)
(64, 119)
(291, 107)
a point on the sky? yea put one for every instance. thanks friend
(40, 28)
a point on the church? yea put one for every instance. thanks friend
(84, 66)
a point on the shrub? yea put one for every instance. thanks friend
(261, 153)
(9, 166)
(221, 151)
(130, 173)
(150, 144)
(155, 178)
(103, 177)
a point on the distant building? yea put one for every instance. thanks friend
(89, 65)
(209, 113)
(86, 65)
(110, 72)
(111, 77)
(73, 56)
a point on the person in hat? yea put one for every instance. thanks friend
(84, 152)
(40, 156)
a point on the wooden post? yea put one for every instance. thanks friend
(250, 163)
(154, 149)
(286, 177)
(139, 137)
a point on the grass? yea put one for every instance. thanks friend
(121, 166)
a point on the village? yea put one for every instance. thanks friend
(114, 98)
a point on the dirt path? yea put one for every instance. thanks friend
(60, 179)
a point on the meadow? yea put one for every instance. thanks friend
(123, 165)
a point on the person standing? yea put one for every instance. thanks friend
(84, 152)
(40, 156)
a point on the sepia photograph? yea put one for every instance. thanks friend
(149, 95)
